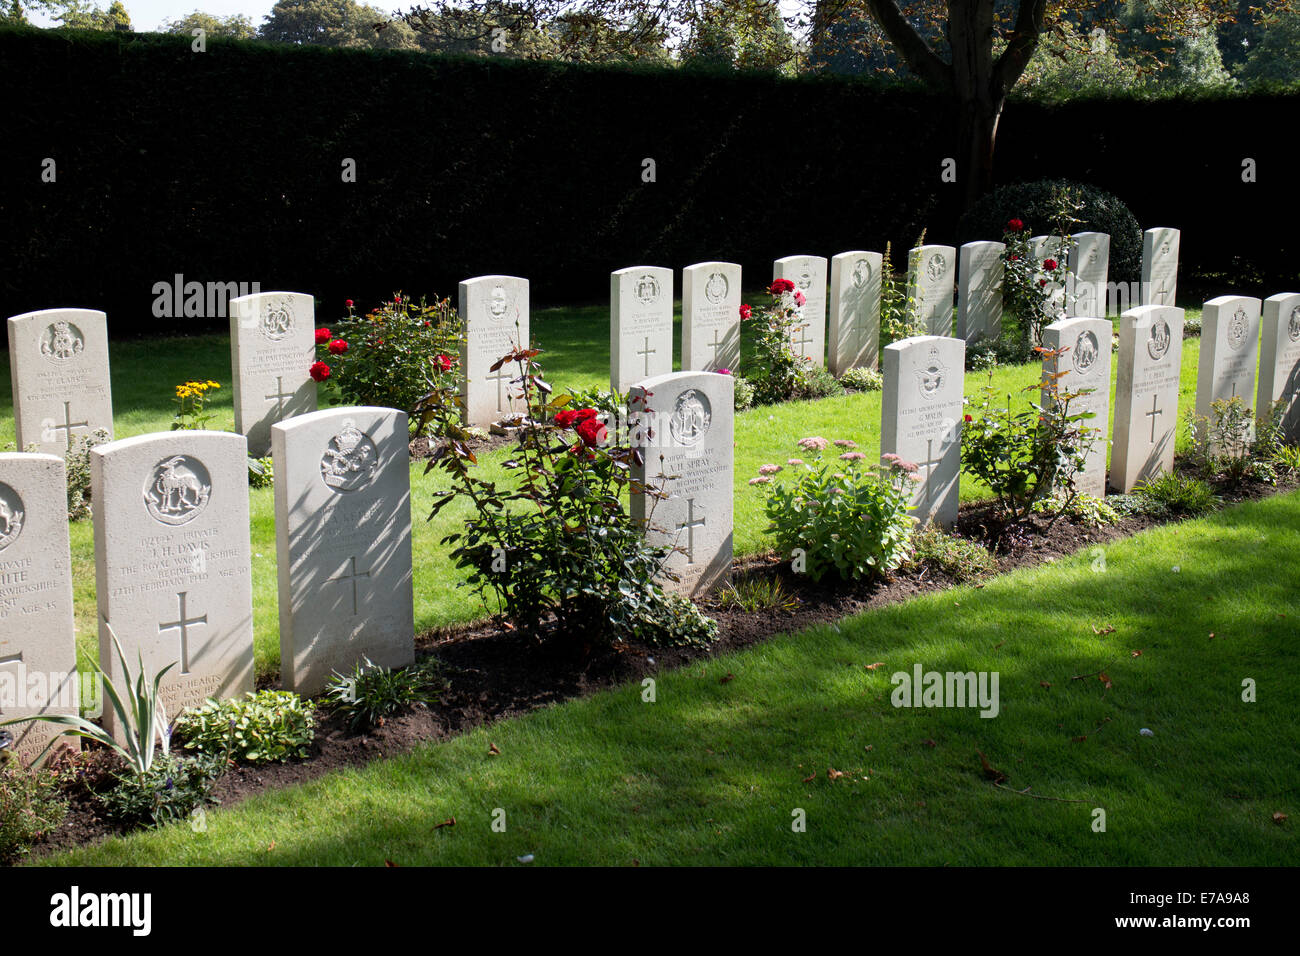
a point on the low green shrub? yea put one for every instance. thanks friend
(757, 593)
(959, 558)
(170, 790)
(844, 515)
(820, 383)
(664, 619)
(744, 395)
(863, 379)
(78, 465)
(1170, 494)
(30, 807)
(369, 694)
(1081, 509)
(261, 472)
(261, 727)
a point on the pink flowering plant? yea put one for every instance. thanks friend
(833, 511)
(781, 370)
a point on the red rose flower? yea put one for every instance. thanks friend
(745, 312)
(397, 298)
(586, 414)
(1015, 258)
(338, 347)
(1015, 225)
(348, 303)
(443, 362)
(592, 432)
(800, 298)
(780, 285)
(969, 419)
(319, 371)
(322, 336)
(1049, 265)
(1042, 282)
(566, 417)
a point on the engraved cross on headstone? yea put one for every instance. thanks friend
(690, 524)
(647, 351)
(279, 396)
(68, 424)
(352, 577)
(715, 345)
(1153, 414)
(499, 377)
(929, 465)
(12, 659)
(804, 339)
(184, 624)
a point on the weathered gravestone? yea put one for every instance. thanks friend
(38, 653)
(172, 569)
(343, 543)
(1146, 394)
(932, 275)
(921, 419)
(711, 316)
(59, 368)
(808, 273)
(1229, 351)
(853, 340)
(979, 291)
(683, 426)
(495, 310)
(272, 347)
(1279, 361)
(640, 325)
(1089, 269)
(1159, 266)
(1086, 365)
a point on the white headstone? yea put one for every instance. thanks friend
(1086, 365)
(979, 291)
(1159, 266)
(683, 426)
(272, 347)
(1090, 268)
(1279, 361)
(1146, 394)
(1045, 249)
(853, 339)
(808, 273)
(343, 543)
(932, 277)
(711, 317)
(495, 310)
(640, 325)
(1229, 351)
(59, 366)
(38, 652)
(172, 568)
(921, 418)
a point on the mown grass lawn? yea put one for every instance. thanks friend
(576, 344)
(711, 772)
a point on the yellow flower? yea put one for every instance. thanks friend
(212, 384)
(182, 392)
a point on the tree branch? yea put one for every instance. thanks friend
(911, 46)
(1020, 45)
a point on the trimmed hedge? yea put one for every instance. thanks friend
(225, 166)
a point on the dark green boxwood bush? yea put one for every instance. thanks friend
(1032, 202)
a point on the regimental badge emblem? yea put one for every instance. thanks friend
(1293, 325)
(931, 376)
(715, 289)
(1164, 248)
(276, 321)
(11, 516)
(647, 290)
(1093, 255)
(1238, 330)
(177, 489)
(861, 273)
(805, 280)
(62, 341)
(936, 267)
(350, 460)
(691, 417)
(498, 303)
(1158, 343)
(1086, 351)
